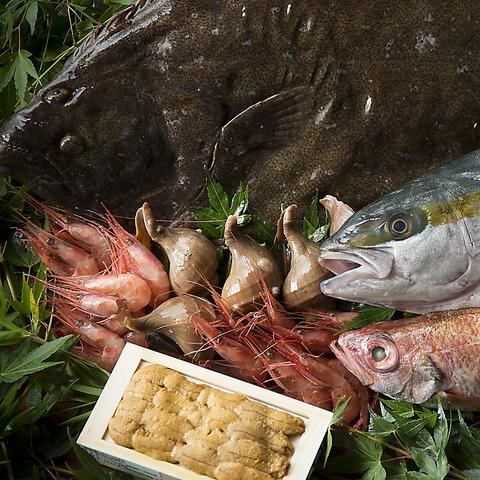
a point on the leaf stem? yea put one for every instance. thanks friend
(385, 444)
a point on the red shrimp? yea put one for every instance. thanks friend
(326, 377)
(317, 330)
(281, 369)
(104, 290)
(87, 234)
(141, 261)
(240, 356)
(58, 255)
(105, 358)
(361, 390)
(101, 338)
(100, 305)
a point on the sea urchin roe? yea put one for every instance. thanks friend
(215, 433)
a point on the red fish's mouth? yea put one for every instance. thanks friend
(351, 363)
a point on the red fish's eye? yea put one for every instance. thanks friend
(383, 355)
(378, 354)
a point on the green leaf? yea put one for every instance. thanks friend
(6, 75)
(6, 321)
(472, 474)
(124, 2)
(210, 222)
(336, 417)
(94, 391)
(402, 409)
(377, 472)
(32, 414)
(23, 69)
(92, 469)
(10, 338)
(262, 231)
(31, 15)
(9, 403)
(311, 221)
(370, 453)
(19, 363)
(368, 315)
(239, 203)
(217, 196)
(320, 233)
(16, 253)
(396, 470)
(380, 426)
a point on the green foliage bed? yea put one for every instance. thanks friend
(46, 393)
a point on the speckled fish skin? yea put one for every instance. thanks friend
(430, 354)
(395, 92)
(434, 265)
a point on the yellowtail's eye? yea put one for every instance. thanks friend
(383, 355)
(399, 225)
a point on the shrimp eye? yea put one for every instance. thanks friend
(268, 354)
(399, 225)
(217, 339)
(57, 95)
(378, 354)
(71, 145)
(383, 355)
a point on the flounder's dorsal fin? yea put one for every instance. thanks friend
(274, 122)
(116, 24)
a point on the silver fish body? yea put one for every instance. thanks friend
(415, 249)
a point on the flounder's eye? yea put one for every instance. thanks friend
(399, 225)
(57, 95)
(71, 145)
(383, 355)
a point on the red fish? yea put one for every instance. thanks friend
(414, 359)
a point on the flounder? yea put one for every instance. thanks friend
(347, 97)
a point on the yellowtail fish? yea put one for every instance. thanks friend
(415, 249)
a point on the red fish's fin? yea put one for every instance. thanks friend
(274, 122)
(425, 381)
